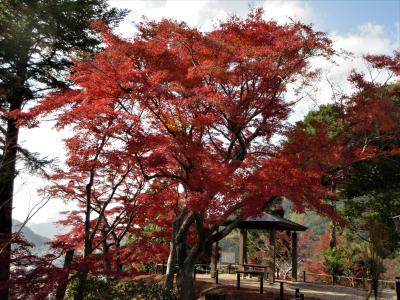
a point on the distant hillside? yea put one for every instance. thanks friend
(48, 229)
(312, 220)
(32, 237)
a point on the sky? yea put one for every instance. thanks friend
(358, 26)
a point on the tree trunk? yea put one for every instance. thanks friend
(119, 266)
(7, 174)
(369, 293)
(184, 280)
(87, 251)
(187, 259)
(82, 278)
(181, 257)
(62, 285)
(177, 253)
(106, 262)
(187, 291)
(188, 256)
(333, 241)
(169, 279)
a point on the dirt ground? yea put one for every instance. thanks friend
(250, 287)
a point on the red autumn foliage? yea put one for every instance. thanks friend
(113, 205)
(32, 276)
(366, 128)
(315, 263)
(199, 108)
(197, 112)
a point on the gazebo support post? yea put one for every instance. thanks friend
(272, 240)
(242, 248)
(272, 223)
(294, 255)
(214, 259)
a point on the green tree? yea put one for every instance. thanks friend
(333, 262)
(370, 189)
(36, 39)
(330, 115)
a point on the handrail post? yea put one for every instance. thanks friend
(297, 293)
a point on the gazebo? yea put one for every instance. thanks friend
(268, 222)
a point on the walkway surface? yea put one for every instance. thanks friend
(323, 292)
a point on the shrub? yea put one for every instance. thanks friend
(125, 289)
(333, 262)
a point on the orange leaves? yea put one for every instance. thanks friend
(205, 120)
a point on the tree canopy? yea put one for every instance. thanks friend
(36, 40)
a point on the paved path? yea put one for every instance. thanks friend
(324, 292)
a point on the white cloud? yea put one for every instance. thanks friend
(283, 11)
(204, 13)
(397, 34)
(368, 38)
(371, 28)
(200, 13)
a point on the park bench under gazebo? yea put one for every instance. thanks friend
(269, 222)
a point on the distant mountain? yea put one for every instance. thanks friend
(32, 237)
(48, 229)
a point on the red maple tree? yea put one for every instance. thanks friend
(113, 204)
(197, 113)
(200, 111)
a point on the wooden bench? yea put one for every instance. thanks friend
(260, 274)
(255, 267)
(213, 296)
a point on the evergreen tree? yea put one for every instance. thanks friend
(36, 39)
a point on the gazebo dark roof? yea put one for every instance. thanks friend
(268, 221)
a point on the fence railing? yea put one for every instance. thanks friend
(346, 281)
